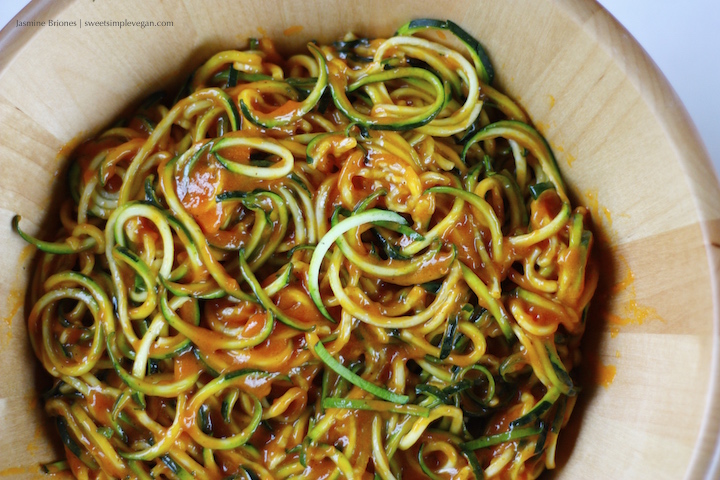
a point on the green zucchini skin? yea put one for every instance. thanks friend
(269, 121)
(340, 91)
(57, 248)
(484, 67)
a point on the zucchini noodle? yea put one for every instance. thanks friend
(356, 262)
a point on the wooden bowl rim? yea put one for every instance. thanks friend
(705, 462)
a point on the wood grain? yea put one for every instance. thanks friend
(623, 140)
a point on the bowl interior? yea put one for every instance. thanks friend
(623, 142)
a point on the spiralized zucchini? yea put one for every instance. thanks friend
(359, 261)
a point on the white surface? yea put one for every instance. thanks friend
(682, 37)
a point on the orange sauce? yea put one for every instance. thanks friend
(25, 253)
(602, 218)
(462, 235)
(256, 385)
(227, 313)
(197, 194)
(544, 209)
(32, 407)
(500, 422)
(76, 466)
(630, 311)
(120, 153)
(16, 297)
(272, 355)
(15, 471)
(100, 405)
(570, 159)
(146, 228)
(615, 303)
(287, 108)
(297, 304)
(541, 127)
(627, 281)
(186, 365)
(292, 30)
(15, 302)
(608, 216)
(67, 149)
(540, 316)
(355, 186)
(606, 375)
(597, 372)
(254, 325)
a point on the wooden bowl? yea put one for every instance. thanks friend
(650, 408)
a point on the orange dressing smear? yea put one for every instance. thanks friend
(608, 216)
(292, 30)
(569, 158)
(597, 372)
(606, 374)
(14, 301)
(542, 128)
(16, 297)
(616, 295)
(630, 312)
(15, 471)
(592, 203)
(34, 446)
(67, 149)
(25, 253)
